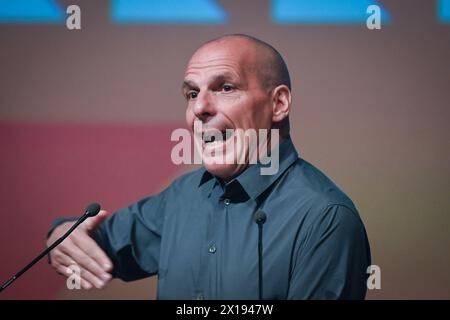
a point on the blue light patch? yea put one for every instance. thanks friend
(324, 11)
(443, 13)
(168, 12)
(30, 11)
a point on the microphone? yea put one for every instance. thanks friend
(91, 210)
(260, 217)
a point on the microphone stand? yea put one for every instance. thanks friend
(260, 218)
(91, 211)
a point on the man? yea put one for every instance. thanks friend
(199, 235)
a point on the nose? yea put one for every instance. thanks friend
(204, 106)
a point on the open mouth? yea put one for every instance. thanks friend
(215, 136)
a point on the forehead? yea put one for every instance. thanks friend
(228, 56)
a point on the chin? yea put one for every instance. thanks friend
(225, 171)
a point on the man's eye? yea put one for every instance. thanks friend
(192, 94)
(227, 87)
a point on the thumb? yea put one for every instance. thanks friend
(93, 222)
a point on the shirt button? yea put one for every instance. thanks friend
(200, 297)
(212, 249)
(226, 201)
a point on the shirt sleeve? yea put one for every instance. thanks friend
(331, 260)
(132, 237)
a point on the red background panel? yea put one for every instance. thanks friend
(50, 170)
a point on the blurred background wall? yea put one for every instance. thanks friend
(86, 115)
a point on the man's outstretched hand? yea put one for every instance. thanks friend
(80, 249)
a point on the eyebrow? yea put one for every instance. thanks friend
(187, 84)
(223, 77)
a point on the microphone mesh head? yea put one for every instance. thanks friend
(93, 209)
(260, 217)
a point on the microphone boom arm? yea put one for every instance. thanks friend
(91, 211)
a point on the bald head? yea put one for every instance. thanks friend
(268, 63)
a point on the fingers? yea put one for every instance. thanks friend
(87, 263)
(91, 248)
(86, 278)
(91, 223)
(65, 271)
(63, 265)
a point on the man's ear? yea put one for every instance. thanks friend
(281, 97)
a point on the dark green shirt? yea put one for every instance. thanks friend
(200, 238)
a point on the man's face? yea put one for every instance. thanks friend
(223, 92)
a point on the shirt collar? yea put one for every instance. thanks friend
(251, 180)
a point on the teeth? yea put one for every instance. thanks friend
(228, 134)
(210, 138)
